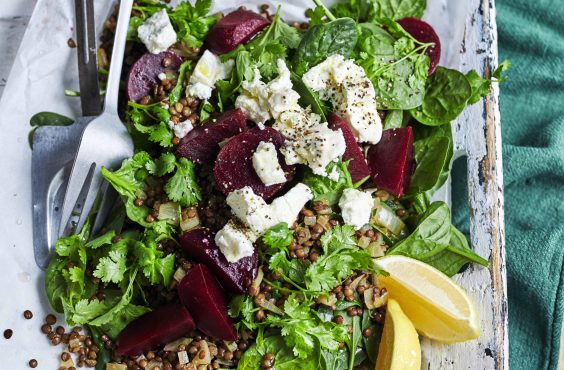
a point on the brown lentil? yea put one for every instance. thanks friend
(71, 43)
(28, 314)
(50, 319)
(8, 333)
(33, 363)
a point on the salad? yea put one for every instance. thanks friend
(276, 212)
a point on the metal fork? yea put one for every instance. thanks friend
(104, 143)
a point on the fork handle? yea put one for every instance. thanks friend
(112, 88)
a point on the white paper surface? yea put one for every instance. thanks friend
(43, 68)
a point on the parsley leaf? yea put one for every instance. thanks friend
(182, 186)
(325, 189)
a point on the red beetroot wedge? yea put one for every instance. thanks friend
(423, 32)
(234, 165)
(204, 298)
(154, 329)
(144, 73)
(358, 168)
(201, 145)
(235, 28)
(200, 246)
(391, 161)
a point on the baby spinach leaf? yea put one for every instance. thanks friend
(50, 119)
(446, 94)
(431, 157)
(394, 119)
(377, 10)
(372, 342)
(319, 42)
(55, 284)
(309, 98)
(334, 360)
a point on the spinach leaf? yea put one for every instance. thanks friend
(436, 242)
(394, 119)
(320, 41)
(371, 343)
(55, 284)
(451, 259)
(377, 10)
(334, 360)
(309, 98)
(104, 355)
(431, 157)
(397, 67)
(446, 94)
(49, 119)
(481, 86)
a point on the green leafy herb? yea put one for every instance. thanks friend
(327, 190)
(278, 237)
(182, 186)
(341, 256)
(177, 91)
(431, 156)
(481, 86)
(301, 330)
(394, 119)
(50, 119)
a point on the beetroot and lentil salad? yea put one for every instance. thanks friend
(274, 164)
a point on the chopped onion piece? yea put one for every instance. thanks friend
(310, 220)
(178, 276)
(114, 366)
(258, 279)
(204, 359)
(386, 217)
(376, 249)
(173, 346)
(169, 212)
(363, 242)
(190, 223)
(268, 305)
(183, 357)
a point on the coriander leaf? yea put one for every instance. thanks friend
(502, 67)
(101, 240)
(242, 307)
(341, 256)
(283, 356)
(159, 133)
(301, 330)
(182, 186)
(111, 268)
(290, 269)
(316, 16)
(278, 237)
(114, 310)
(481, 86)
(86, 310)
(326, 190)
(76, 275)
(323, 40)
(155, 267)
(446, 94)
(165, 164)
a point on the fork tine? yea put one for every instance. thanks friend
(72, 205)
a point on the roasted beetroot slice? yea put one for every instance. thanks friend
(423, 32)
(235, 28)
(201, 145)
(204, 298)
(144, 73)
(154, 329)
(234, 165)
(200, 246)
(391, 161)
(358, 168)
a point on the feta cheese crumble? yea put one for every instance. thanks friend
(181, 129)
(261, 101)
(207, 72)
(266, 165)
(236, 241)
(157, 32)
(356, 207)
(351, 93)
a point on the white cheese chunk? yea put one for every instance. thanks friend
(356, 207)
(181, 129)
(235, 241)
(250, 208)
(266, 165)
(262, 101)
(351, 93)
(317, 146)
(207, 72)
(287, 207)
(157, 32)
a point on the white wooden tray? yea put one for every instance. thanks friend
(44, 66)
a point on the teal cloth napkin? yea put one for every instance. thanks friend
(531, 36)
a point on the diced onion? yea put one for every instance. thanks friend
(190, 223)
(178, 276)
(169, 212)
(310, 220)
(204, 359)
(114, 366)
(363, 241)
(376, 249)
(386, 217)
(183, 357)
(268, 305)
(173, 346)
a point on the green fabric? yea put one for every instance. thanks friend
(531, 36)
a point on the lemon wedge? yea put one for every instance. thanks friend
(399, 347)
(438, 308)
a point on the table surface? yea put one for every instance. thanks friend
(14, 17)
